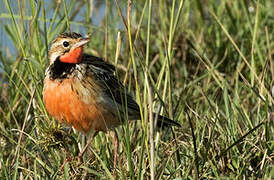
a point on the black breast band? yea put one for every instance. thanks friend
(60, 70)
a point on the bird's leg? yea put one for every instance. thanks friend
(115, 151)
(80, 156)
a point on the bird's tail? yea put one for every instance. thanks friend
(163, 121)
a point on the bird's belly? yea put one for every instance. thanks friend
(67, 105)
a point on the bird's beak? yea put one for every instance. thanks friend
(81, 42)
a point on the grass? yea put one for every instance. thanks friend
(208, 65)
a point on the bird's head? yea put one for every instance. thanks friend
(68, 48)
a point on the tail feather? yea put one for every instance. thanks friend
(163, 121)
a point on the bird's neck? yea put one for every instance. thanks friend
(60, 70)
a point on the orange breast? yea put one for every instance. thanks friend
(66, 104)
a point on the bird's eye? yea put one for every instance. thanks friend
(65, 44)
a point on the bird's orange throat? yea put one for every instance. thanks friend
(73, 56)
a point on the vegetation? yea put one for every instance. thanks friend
(206, 64)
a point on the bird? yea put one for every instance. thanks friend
(83, 91)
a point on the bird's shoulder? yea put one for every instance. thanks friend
(103, 73)
(97, 64)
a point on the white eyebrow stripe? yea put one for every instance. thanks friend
(60, 42)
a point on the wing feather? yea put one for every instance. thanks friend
(104, 75)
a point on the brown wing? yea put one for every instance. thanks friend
(103, 73)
